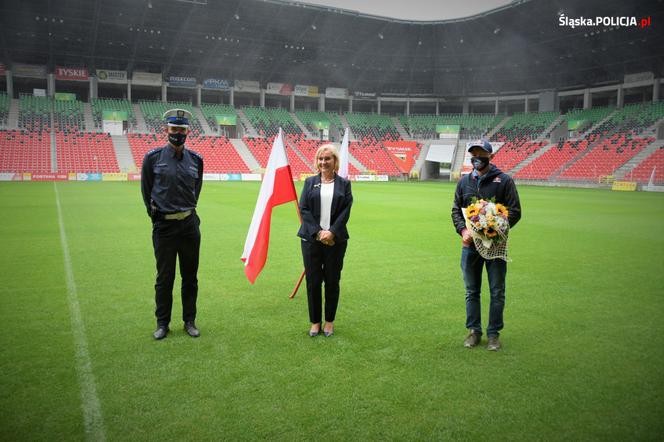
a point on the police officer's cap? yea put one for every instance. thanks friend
(177, 117)
(482, 144)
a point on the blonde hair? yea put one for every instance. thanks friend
(333, 150)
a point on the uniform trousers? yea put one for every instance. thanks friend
(323, 264)
(181, 240)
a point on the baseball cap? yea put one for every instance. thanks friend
(483, 144)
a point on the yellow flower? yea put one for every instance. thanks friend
(472, 210)
(490, 233)
(502, 210)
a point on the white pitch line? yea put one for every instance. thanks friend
(92, 418)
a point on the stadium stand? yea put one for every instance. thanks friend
(643, 171)
(589, 117)
(99, 105)
(374, 157)
(552, 161)
(472, 125)
(607, 156)
(311, 118)
(85, 152)
(153, 112)
(34, 113)
(68, 116)
(267, 121)
(308, 147)
(22, 151)
(619, 120)
(218, 153)
(210, 112)
(514, 152)
(4, 108)
(525, 126)
(372, 127)
(260, 148)
(141, 144)
(646, 117)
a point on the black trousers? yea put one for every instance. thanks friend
(323, 264)
(182, 240)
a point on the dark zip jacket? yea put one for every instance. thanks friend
(494, 184)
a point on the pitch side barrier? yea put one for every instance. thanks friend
(122, 176)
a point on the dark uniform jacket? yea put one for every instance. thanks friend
(342, 200)
(494, 184)
(171, 184)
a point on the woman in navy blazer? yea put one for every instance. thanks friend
(325, 205)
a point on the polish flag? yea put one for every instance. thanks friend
(343, 153)
(277, 188)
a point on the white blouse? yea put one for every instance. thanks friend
(326, 191)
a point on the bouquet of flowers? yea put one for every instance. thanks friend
(489, 227)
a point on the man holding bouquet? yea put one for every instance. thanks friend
(485, 182)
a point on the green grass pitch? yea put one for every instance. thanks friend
(583, 355)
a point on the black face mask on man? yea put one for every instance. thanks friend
(177, 139)
(479, 163)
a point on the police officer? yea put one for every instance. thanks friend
(171, 180)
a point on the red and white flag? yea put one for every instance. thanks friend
(277, 188)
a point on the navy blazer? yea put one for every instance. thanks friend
(342, 200)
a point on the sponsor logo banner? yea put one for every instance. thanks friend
(247, 177)
(216, 83)
(188, 82)
(231, 177)
(625, 186)
(247, 86)
(359, 94)
(403, 153)
(448, 130)
(336, 92)
(29, 70)
(575, 124)
(76, 74)
(88, 176)
(211, 177)
(303, 90)
(279, 88)
(11, 176)
(114, 176)
(133, 177)
(226, 120)
(109, 76)
(63, 96)
(49, 177)
(27, 176)
(71, 176)
(146, 79)
(109, 115)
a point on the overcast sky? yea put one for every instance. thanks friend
(415, 9)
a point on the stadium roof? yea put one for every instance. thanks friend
(415, 10)
(519, 47)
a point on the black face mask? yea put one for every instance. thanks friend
(479, 163)
(177, 139)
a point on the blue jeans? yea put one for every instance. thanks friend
(471, 267)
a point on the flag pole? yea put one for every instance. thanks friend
(297, 286)
(299, 281)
